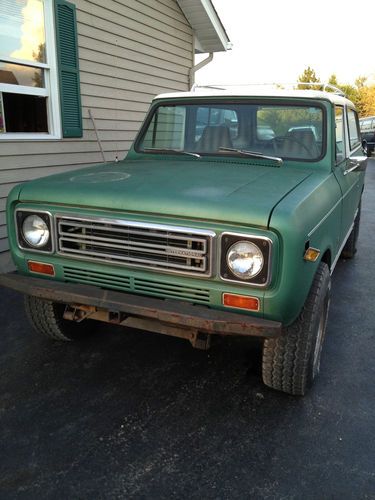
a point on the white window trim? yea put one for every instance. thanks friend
(51, 90)
(20, 89)
(32, 64)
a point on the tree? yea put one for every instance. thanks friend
(39, 56)
(308, 76)
(350, 91)
(362, 95)
(360, 81)
(367, 101)
(333, 80)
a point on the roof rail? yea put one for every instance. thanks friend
(323, 86)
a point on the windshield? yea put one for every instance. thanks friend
(283, 130)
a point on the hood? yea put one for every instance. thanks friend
(213, 190)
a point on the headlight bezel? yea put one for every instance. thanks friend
(20, 216)
(264, 243)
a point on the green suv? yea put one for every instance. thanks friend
(227, 217)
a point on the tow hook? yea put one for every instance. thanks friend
(78, 313)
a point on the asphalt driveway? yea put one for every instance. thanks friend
(136, 415)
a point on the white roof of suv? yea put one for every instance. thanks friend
(253, 91)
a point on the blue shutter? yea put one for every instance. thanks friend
(68, 68)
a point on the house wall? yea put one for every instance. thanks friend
(129, 50)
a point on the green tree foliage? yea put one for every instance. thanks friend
(333, 80)
(308, 76)
(361, 94)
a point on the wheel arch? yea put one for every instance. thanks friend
(327, 258)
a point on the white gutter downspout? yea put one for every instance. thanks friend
(198, 66)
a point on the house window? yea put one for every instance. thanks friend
(29, 73)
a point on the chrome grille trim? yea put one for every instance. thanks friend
(137, 285)
(171, 249)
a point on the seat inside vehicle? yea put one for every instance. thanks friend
(213, 138)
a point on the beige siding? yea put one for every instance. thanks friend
(129, 51)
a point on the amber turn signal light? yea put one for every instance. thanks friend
(311, 254)
(241, 301)
(41, 268)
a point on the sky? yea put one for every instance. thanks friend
(275, 40)
(21, 29)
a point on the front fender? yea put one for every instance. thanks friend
(310, 216)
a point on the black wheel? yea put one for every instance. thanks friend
(350, 247)
(365, 148)
(292, 361)
(46, 317)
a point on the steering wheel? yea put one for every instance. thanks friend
(283, 139)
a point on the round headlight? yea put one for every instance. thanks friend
(35, 231)
(245, 259)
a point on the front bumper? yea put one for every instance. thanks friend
(172, 313)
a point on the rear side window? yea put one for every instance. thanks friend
(340, 144)
(353, 129)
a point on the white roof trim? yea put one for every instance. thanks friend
(206, 24)
(256, 92)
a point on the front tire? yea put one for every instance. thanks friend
(46, 317)
(291, 362)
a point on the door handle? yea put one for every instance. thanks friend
(356, 163)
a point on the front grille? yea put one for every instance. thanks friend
(153, 246)
(136, 285)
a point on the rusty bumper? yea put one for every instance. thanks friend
(170, 312)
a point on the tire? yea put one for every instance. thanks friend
(291, 362)
(366, 149)
(46, 317)
(350, 248)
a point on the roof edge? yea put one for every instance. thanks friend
(208, 16)
(256, 93)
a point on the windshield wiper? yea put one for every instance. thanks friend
(170, 150)
(253, 154)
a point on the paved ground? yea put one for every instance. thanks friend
(127, 415)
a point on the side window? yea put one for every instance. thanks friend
(340, 136)
(353, 129)
(35, 69)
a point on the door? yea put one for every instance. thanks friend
(350, 164)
